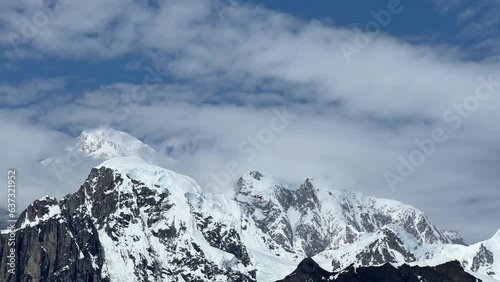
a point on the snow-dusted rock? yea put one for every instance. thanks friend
(134, 221)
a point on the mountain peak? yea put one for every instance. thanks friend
(306, 196)
(40, 210)
(454, 237)
(255, 174)
(254, 182)
(107, 143)
(153, 176)
(308, 184)
(128, 208)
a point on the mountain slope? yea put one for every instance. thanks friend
(482, 257)
(129, 221)
(454, 237)
(394, 245)
(300, 221)
(133, 221)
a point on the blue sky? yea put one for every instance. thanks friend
(195, 79)
(424, 21)
(349, 13)
(428, 22)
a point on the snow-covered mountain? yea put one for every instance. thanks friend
(454, 237)
(134, 221)
(105, 143)
(108, 143)
(394, 245)
(312, 219)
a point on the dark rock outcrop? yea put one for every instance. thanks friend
(63, 240)
(309, 271)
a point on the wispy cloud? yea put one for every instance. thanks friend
(445, 6)
(221, 76)
(30, 91)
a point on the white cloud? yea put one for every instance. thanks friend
(445, 6)
(353, 120)
(30, 91)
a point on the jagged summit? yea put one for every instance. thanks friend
(314, 218)
(135, 221)
(129, 221)
(454, 237)
(255, 174)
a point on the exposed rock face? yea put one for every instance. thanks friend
(299, 221)
(483, 258)
(341, 228)
(54, 246)
(220, 236)
(309, 271)
(382, 250)
(116, 228)
(454, 237)
(271, 213)
(132, 221)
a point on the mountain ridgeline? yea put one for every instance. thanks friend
(134, 221)
(309, 271)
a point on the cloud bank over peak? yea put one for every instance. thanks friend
(203, 82)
